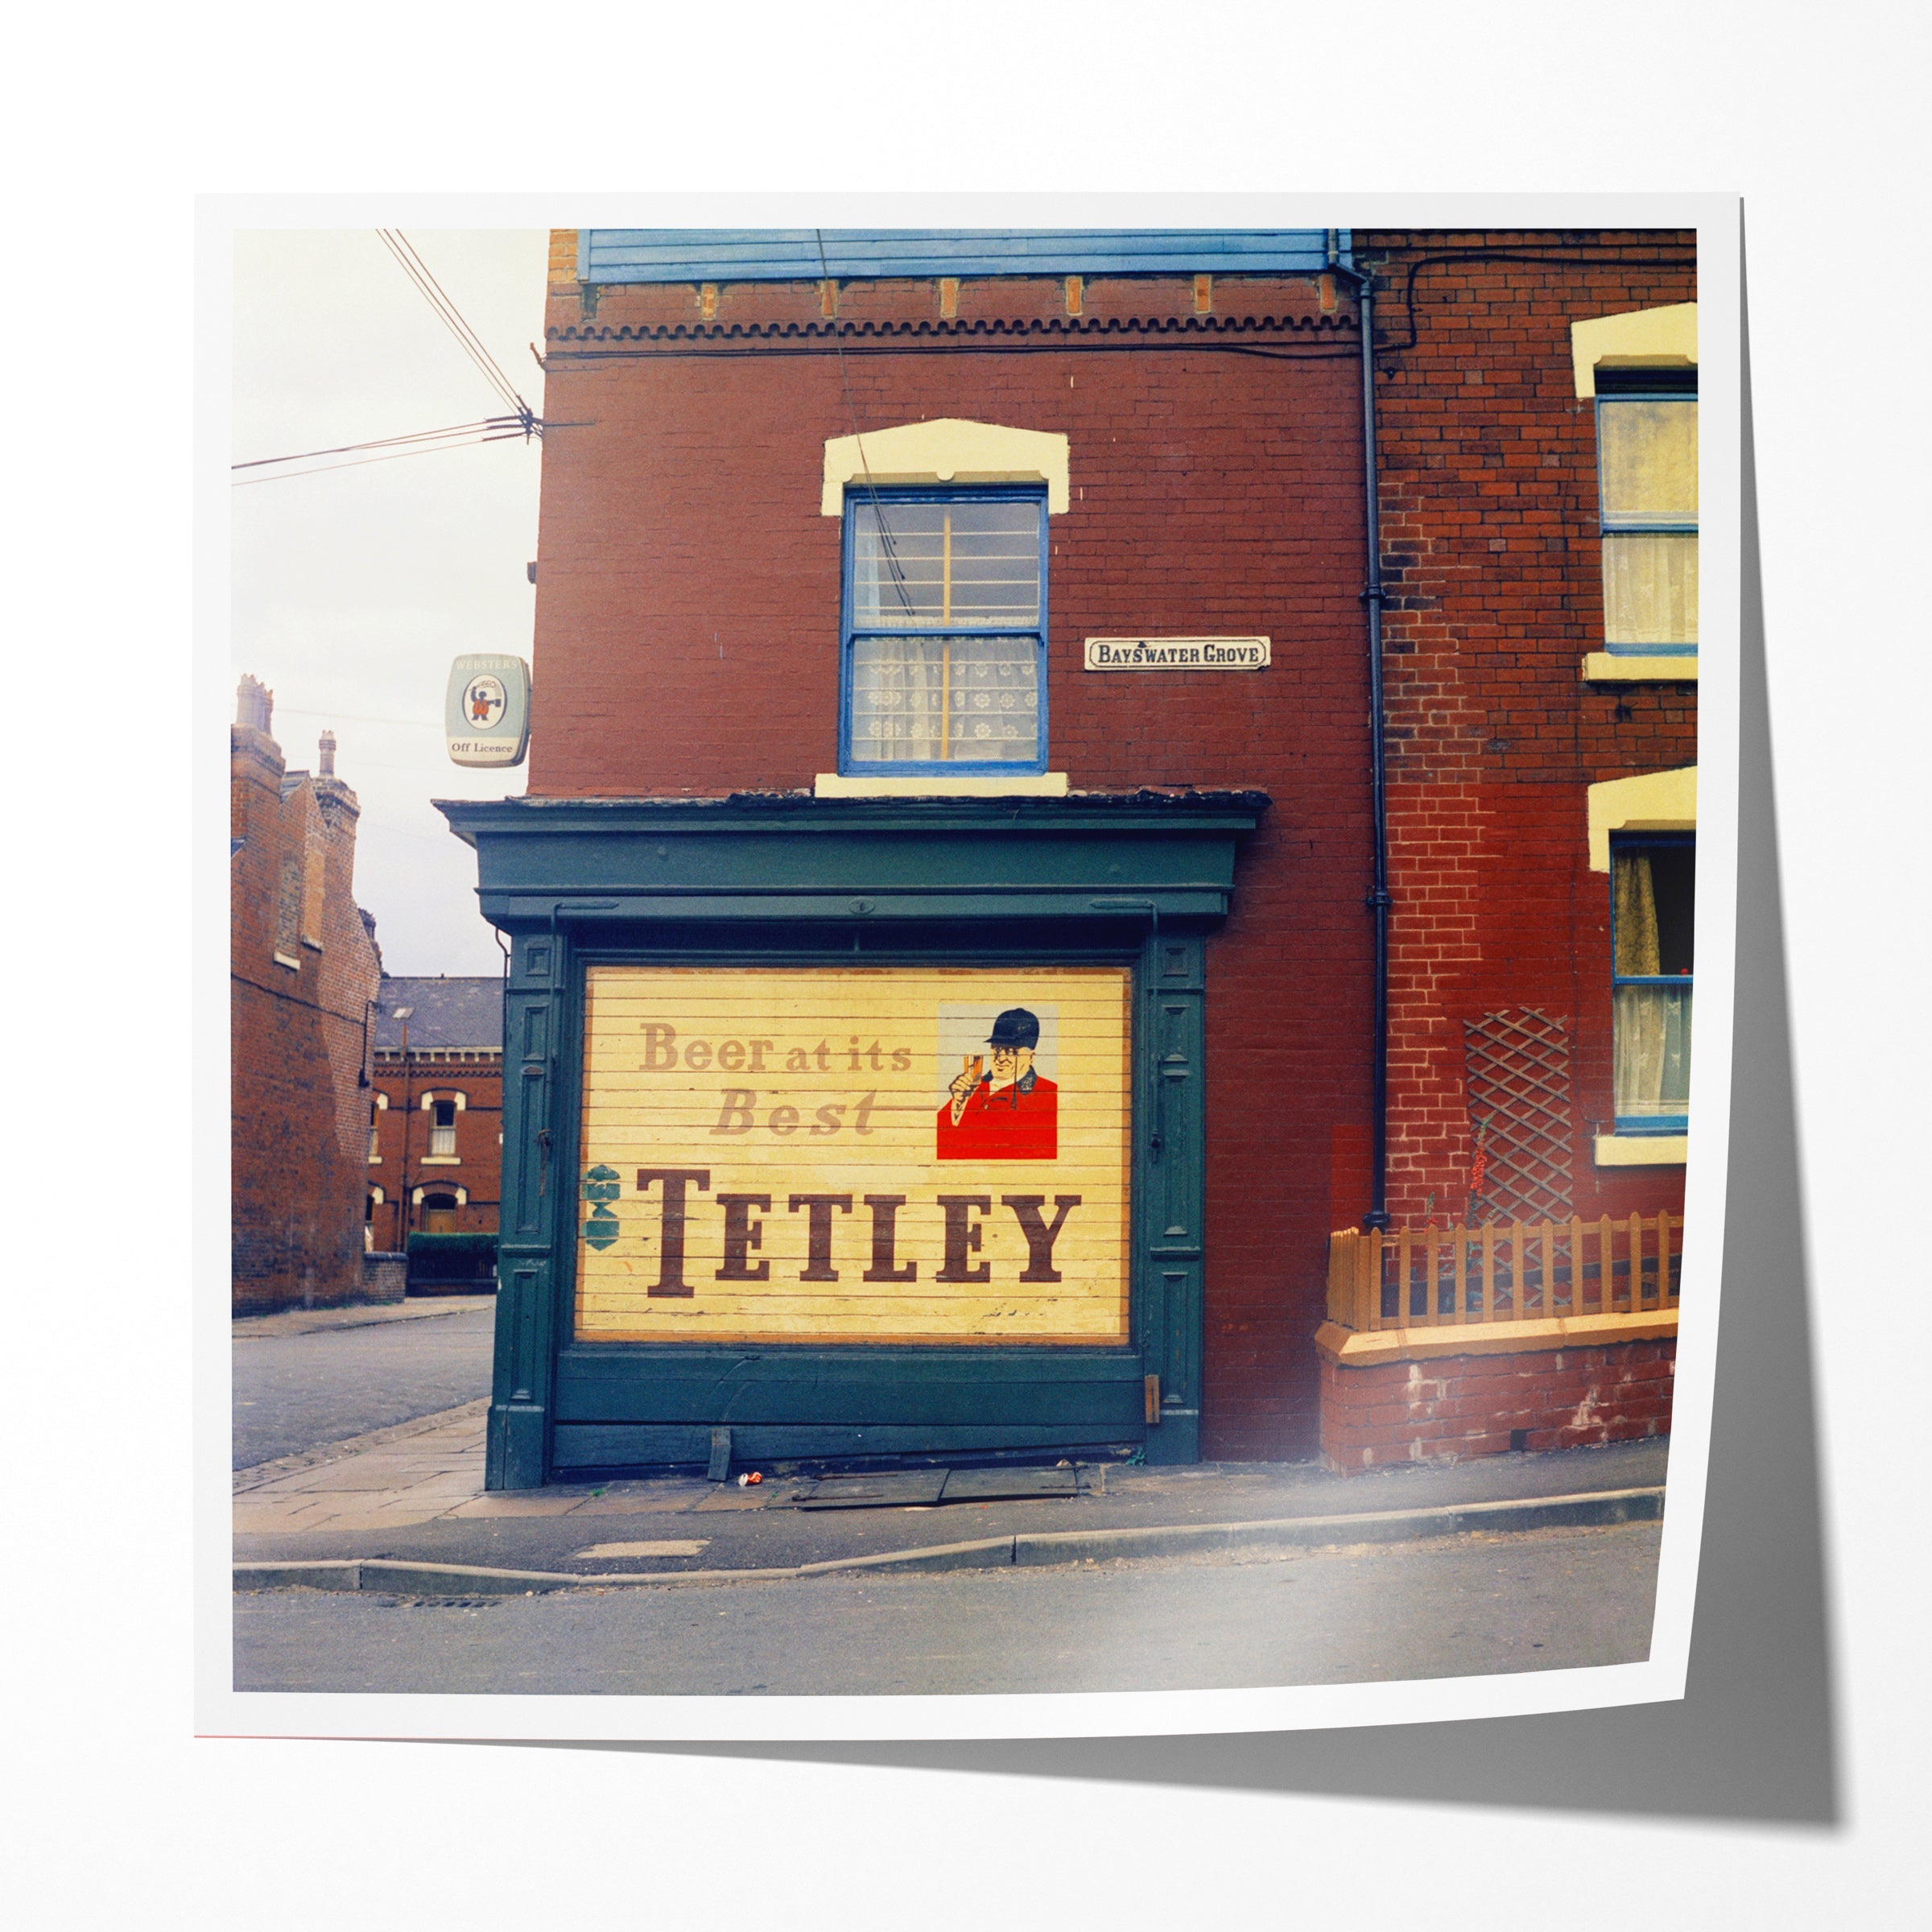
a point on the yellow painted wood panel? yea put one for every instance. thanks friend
(780, 1084)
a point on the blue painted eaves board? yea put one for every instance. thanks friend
(791, 254)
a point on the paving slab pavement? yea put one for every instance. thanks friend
(413, 1495)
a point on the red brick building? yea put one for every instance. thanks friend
(948, 601)
(435, 1141)
(303, 971)
(1536, 411)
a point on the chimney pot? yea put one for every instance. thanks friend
(328, 760)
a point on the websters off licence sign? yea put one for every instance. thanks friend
(878, 1154)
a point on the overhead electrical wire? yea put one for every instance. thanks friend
(393, 455)
(521, 420)
(419, 435)
(872, 489)
(360, 717)
(432, 291)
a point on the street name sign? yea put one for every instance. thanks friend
(1176, 653)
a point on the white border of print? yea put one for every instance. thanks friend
(220, 1710)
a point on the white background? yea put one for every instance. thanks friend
(118, 1812)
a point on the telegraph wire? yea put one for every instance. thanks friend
(413, 265)
(872, 490)
(521, 420)
(360, 717)
(429, 449)
(419, 435)
(471, 344)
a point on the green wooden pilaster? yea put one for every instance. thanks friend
(1170, 1133)
(537, 1214)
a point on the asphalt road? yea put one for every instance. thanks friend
(295, 1392)
(1543, 1600)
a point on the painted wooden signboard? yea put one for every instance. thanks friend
(873, 1154)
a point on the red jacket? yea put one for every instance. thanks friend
(1019, 1123)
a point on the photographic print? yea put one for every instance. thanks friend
(963, 964)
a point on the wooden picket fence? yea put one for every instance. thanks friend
(1504, 1271)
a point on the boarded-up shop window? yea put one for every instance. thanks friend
(873, 1154)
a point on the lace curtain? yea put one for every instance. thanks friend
(1652, 1072)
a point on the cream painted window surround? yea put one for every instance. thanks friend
(1651, 801)
(1646, 338)
(1663, 339)
(956, 452)
(950, 450)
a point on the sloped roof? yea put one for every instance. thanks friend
(444, 1013)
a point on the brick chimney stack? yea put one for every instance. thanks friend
(254, 758)
(254, 704)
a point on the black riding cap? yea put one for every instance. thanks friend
(1015, 1027)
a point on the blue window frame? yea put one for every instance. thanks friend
(1646, 453)
(1652, 898)
(943, 651)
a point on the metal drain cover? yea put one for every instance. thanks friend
(1002, 1485)
(895, 1489)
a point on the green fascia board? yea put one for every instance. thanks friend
(788, 857)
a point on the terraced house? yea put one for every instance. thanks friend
(1072, 775)
(435, 1143)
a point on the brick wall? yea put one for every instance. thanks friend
(1492, 559)
(298, 1035)
(1453, 1407)
(688, 641)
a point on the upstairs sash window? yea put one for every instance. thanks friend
(945, 645)
(1647, 477)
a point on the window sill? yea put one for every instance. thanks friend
(1617, 667)
(442, 1160)
(1026, 785)
(1641, 1150)
(281, 959)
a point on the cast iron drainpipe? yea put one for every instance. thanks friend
(1373, 596)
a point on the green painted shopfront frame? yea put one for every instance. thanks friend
(1141, 879)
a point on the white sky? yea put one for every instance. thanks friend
(353, 589)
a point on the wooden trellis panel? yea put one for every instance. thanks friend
(1518, 1065)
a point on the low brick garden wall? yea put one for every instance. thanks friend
(1448, 1408)
(385, 1277)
